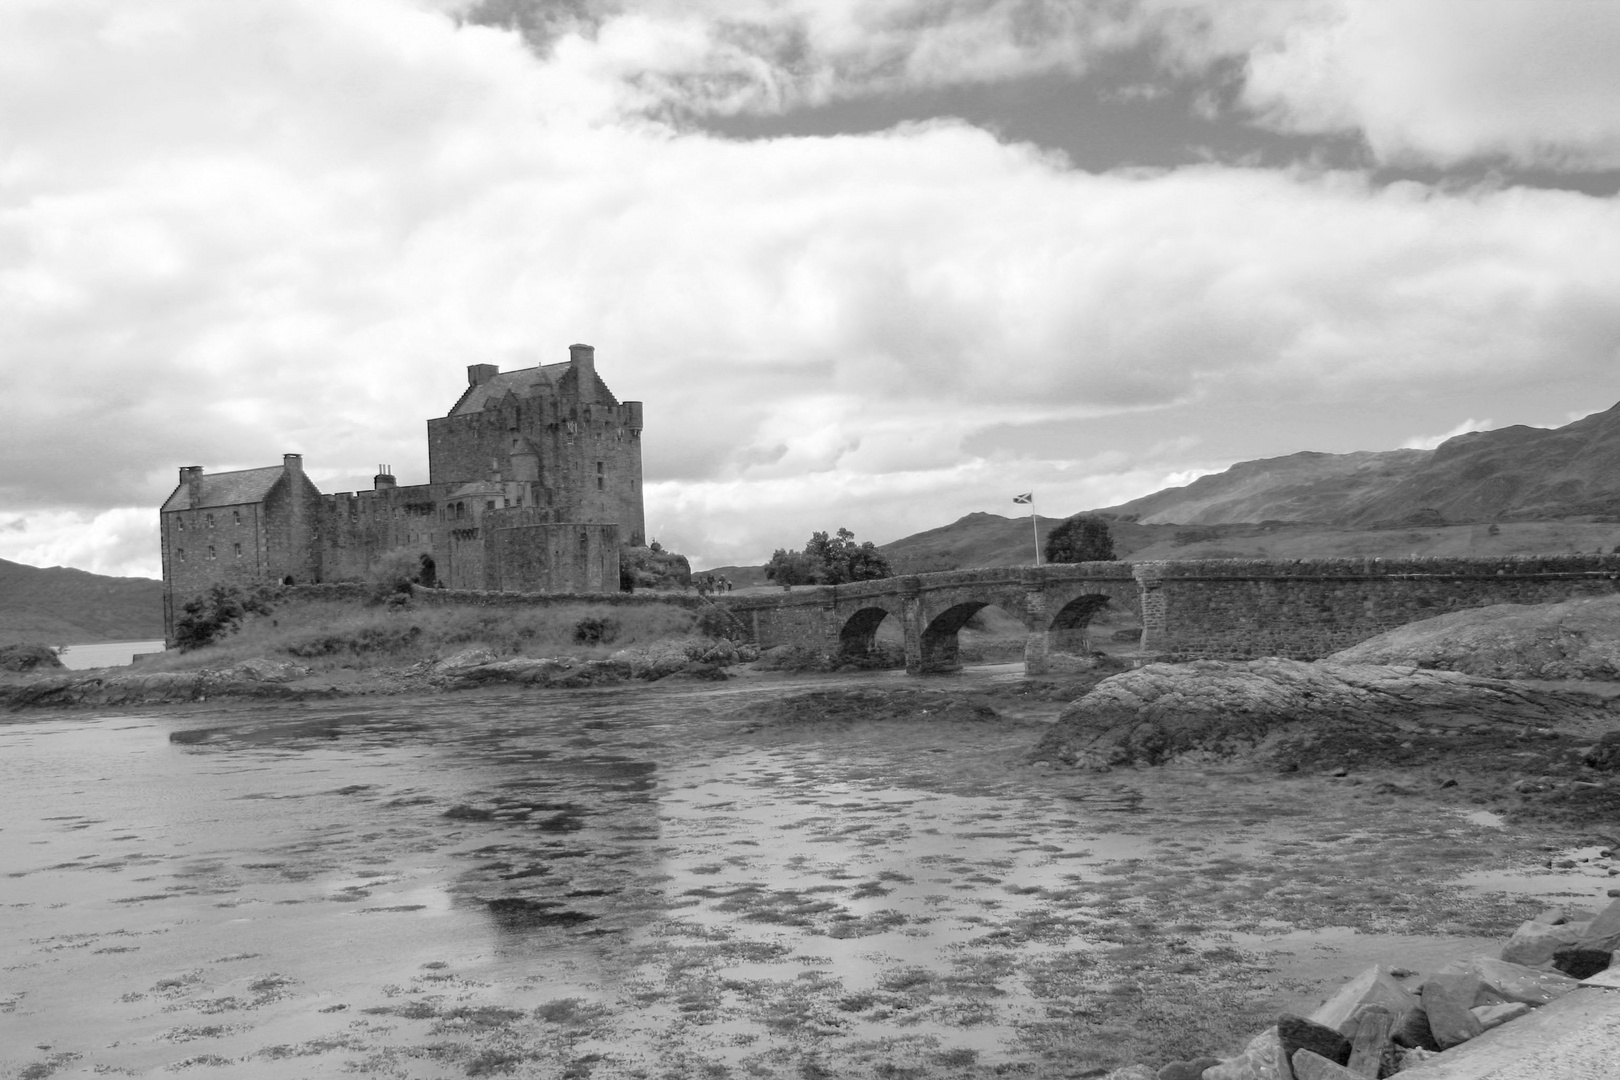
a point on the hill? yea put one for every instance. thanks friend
(1511, 474)
(63, 606)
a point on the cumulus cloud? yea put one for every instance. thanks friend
(1445, 81)
(122, 542)
(233, 233)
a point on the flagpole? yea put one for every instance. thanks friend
(1034, 530)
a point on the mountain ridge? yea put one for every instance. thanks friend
(61, 605)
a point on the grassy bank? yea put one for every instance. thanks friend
(326, 634)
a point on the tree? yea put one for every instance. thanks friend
(829, 560)
(1081, 538)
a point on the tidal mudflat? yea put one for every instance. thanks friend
(692, 881)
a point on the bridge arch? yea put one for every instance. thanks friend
(1067, 630)
(940, 647)
(858, 636)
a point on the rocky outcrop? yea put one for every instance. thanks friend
(250, 678)
(1215, 708)
(1373, 1026)
(1578, 639)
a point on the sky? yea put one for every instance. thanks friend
(872, 264)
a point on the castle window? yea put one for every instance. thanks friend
(489, 504)
(182, 553)
(211, 551)
(600, 484)
(238, 548)
(210, 520)
(180, 523)
(461, 511)
(236, 517)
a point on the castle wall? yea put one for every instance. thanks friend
(292, 530)
(530, 556)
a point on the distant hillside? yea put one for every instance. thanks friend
(1511, 474)
(60, 606)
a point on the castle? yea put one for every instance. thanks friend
(534, 481)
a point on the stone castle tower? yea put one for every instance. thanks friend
(534, 481)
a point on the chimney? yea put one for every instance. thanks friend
(191, 477)
(384, 480)
(478, 374)
(583, 358)
(293, 463)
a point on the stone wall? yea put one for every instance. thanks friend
(1246, 608)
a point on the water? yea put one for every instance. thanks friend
(641, 882)
(106, 653)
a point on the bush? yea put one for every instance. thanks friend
(716, 622)
(28, 656)
(596, 630)
(652, 567)
(396, 571)
(219, 612)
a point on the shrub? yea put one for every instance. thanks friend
(396, 571)
(829, 560)
(596, 630)
(652, 567)
(716, 622)
(28, 656)
(219, 612)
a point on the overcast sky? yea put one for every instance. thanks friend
(869, 263)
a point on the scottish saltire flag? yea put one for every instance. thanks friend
(1028, 496)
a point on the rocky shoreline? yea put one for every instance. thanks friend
(283, 680)
(1386, 1022)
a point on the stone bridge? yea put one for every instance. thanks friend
(1213, 608)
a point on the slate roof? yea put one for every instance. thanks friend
(524, 382)
(229, 488)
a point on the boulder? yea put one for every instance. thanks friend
(1490, 1016)
(1216, 708)
(1580, 963)
(1298, 1033)
(1192, 1069)
(1447, 998)
(1602, 932)
(1374, 986)
(1534, 943)
(1262, 1059)
(1312, 1066)
(1372, 1047)
(1575, 639)
(1501, 981)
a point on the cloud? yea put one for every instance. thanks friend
(1446, 81)
(1429, 442)
(122, 542)
(229, 234)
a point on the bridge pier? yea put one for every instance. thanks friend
(1037, 642)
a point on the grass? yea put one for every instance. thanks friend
(327, 635)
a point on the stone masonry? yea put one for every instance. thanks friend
(534, 481)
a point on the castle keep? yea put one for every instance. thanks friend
(534, 480)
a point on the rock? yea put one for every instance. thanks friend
(1372, 987)
(1534, 943)
(1603, 932)
(1501, 981)
(1131, 1072)
(1578, 963)
(262, 669)
(1490, 1016)
(1412, 1030)
(465, 659)
(1414, 1056)
(1192, 1069)
(1554, 916)
(1372, 1051)
(1575, 639)
(1312, 1066)
(29, 657)
(1447, 998)
(1262, 1059)
(1605, 756)
(1161, 712)
(1298, 1033)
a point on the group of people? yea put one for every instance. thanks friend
(709, 583)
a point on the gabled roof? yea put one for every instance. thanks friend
(525, 383)
(229, 488)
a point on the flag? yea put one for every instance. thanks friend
(1027, 497)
